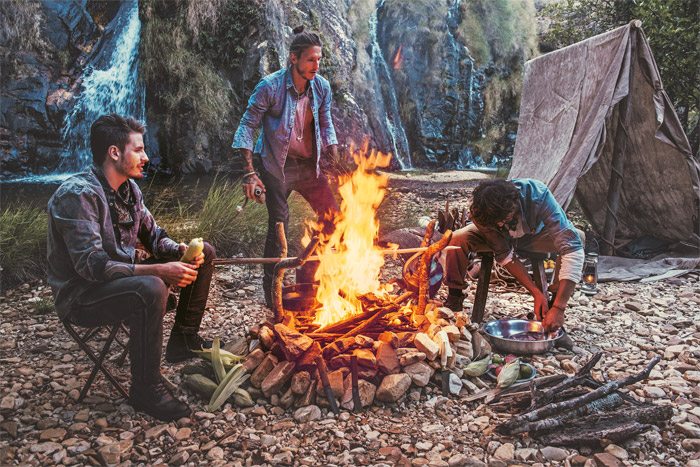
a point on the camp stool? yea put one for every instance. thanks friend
(482, 288)
(99, 356)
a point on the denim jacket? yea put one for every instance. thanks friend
(82, 236)
(274, 103)
(539, 213)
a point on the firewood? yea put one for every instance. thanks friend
(429, 230)
(557, 407)
(577, 379)
(593, 437)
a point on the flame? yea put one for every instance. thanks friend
(349, 261)
(398, 59)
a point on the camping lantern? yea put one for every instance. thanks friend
(589, 285)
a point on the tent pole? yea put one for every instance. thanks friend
(619, 150)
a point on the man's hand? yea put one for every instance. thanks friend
(541, 309)
(197, 261)
(249, 184)
(554, 319)
(178, 273)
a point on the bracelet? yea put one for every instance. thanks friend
(558, 307)
(251, 173)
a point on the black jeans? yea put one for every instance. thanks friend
(141, 300)
(300, 176)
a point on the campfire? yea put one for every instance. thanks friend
(362, 334)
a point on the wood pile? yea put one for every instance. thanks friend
(578, 411)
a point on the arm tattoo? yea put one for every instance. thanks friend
(247, 157)
(116, 270)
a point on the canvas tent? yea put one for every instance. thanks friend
(601, 102)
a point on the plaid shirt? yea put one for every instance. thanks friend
(91, 224)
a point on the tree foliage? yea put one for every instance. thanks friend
(672, 28)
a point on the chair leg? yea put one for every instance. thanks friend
(99, 365)
(540, 277)
(482, 288)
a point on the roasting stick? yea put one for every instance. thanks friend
(225, 261)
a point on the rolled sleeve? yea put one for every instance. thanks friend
(328, 136)
(258, 104)
(572, 266)
(76, 219)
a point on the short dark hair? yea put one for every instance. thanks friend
(112, 130)
(492, 201)
(302, 41)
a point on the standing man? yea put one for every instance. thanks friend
(518, 215)
(293, 106)
(95, 219)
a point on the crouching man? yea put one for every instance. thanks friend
(95, 219)
(518, 215)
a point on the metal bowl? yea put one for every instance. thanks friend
(498, 334)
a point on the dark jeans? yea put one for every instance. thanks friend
(300, 176)
(141, 300)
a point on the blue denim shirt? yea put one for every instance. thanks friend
(539, 213)
(83, 237)
(273, 104)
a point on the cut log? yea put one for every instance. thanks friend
(577, 379)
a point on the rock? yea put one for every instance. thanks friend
(505, 452)
(336, 379)
(45, 448)
(183, 433)
(253, 360)
(293, 342)
(693, 376)
(410, 358)
(420, 373)
(691, 444)
(688, 429)
(654, 392)
(365, 358)
(452, 333)
(156, 431)
(179, 459)
(307, 360)
(579, 460)
(426, 345)
(604, 459)
(110, 454)
(267, 337)
(268, 440)
(301, 382)
(553, 454)
(455, 384)
(617, 451)
(393, 387)
(390, 338)
(277, 378)
(264, 369)
(307, 414)
(525, 454)
(10, 428)
(52, 434)
(215, 454)
(387, 361)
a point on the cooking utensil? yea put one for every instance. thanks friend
(299, 297)
(323, 373)
(499, 334)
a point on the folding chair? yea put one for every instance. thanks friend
(98, 360)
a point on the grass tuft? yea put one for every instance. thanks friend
(23, 232)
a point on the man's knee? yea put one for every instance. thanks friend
(582, 235)
(209, 252)
(153, 291)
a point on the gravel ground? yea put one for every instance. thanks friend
(42, 372)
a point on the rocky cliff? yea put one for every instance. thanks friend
(423, 79)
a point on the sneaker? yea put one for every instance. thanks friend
(157, 401)
(181, 345)
(454, 302)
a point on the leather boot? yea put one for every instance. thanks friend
(180, 346)
(157, 401)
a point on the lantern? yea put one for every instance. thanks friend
(589, 284)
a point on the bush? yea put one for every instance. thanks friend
(23, 231)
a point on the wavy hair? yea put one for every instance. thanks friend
(492, 201)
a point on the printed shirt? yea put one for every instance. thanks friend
(91, 224)
(539, 213)
(273, 105)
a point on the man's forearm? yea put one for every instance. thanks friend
(517, 270)
(118, 270)
(247, 160)
(566, 290)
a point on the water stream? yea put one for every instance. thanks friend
(110, 84)
(387, 94)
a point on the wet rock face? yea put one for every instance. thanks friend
(36, 86)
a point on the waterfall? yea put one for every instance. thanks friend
(110, 84)
(399, 142)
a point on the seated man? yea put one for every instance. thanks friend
(518, 215)
(95, 219)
